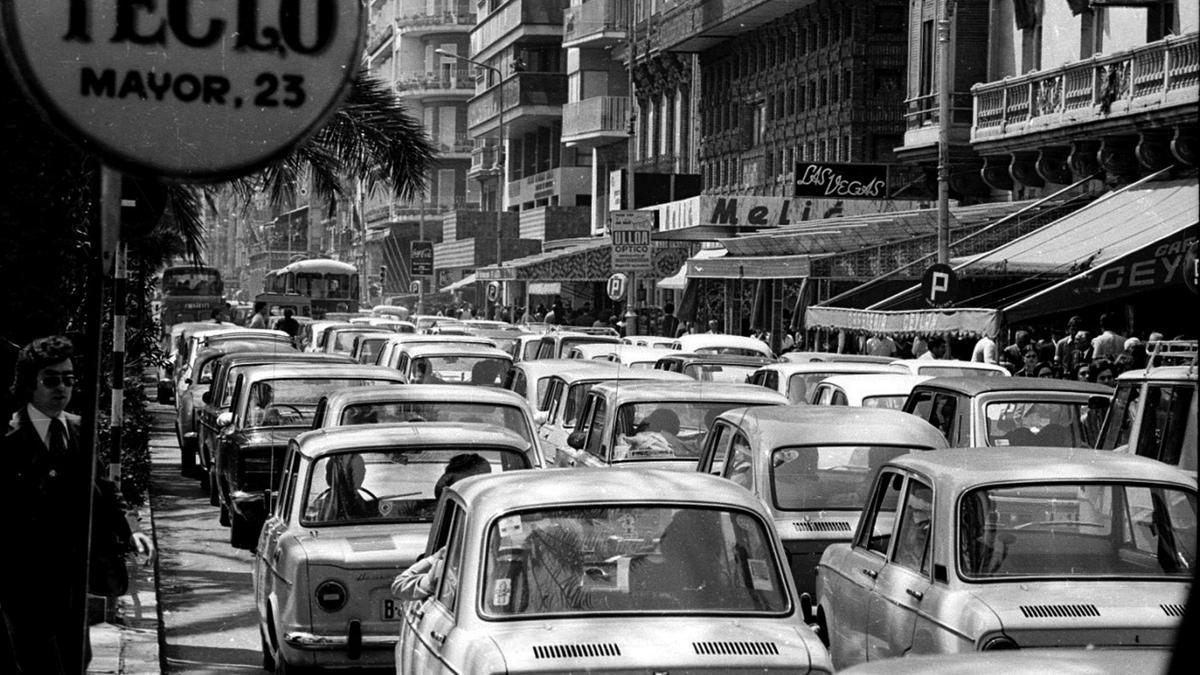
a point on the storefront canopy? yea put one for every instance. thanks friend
(460, 284)
(678, 281)
(589, 260)
(961, 322)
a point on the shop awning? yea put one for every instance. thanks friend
(967, 322)
(545, 288)
(586, 260)
(750, 267)
(460, 284)
(678, 281)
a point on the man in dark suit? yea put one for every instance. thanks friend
(44, 490)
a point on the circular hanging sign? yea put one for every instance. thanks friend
(493, 291)
(616, 286)
(187, 89)
(939, 285)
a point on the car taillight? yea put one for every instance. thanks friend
(1001, 642)
(331, 595)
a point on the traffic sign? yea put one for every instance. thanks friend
(939, 285)
(414, 286)
(632, 251)
(493, 291)
(200, 89)
(617, 283)
(420, 258)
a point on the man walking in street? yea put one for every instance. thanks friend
(46, 479)
(259, 320)
(289, 324)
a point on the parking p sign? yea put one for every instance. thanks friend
(616, 286)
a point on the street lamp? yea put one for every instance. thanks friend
(500, 150)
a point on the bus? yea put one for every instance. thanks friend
(190, 293)
(329, 285)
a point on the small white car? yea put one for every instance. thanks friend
(797, 380)
(720, 343)
(951, 368)
(1021, 548)
(878, 390)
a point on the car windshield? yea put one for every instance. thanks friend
(569, 343)
(478, 370)
(799, 384)
(504, 416)
(292, 401)
(1051, 424)
(394, 486)
(344, 342)
(1077, 530)
(827, 477)
(665, 429)
(957, 371)
(717, 372)
(887, 402)
(631, 559)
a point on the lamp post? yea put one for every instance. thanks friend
(499, 151)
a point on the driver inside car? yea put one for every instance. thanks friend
(344, 499)
(262, 411)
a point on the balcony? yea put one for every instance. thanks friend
(428, 23)
(516, 20)
(417, 84)
(529, 98)
(595, 24)
(378, 32)
(462, 145)
(1115, 91)
(564, 183)
(921, 117)
(483, 161)
(696, 25)
(595, 121)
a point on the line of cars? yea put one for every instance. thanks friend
(596, 554)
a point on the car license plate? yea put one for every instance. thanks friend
(392, 610)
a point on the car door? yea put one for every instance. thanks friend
(266, 557)
(846, 587)
(716, 445)
(595, 447)
(550, 431)
(903, 581)
(739, 460)
(428, 638)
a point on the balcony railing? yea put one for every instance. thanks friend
(377, 33)
(1156, 75)
(425, 20)
(596, 115)
(922, 111)
(595, 17)
(520, 89)
(483, 158)
(508, 18)
(462, 144)
(446, 79)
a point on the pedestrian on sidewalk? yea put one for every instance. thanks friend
(43, 492)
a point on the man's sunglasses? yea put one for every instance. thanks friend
(55, 380)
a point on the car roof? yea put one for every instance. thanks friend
(611, 370)
(467, 436)
(496, 493)
(251, 334)
(455, 349)
(697, 340)
(428, 339)
(241, 346)
(866, 384)
(826, 357)
(791, 367)
(560, 335)
(289, 356)
(973, 386)
(540, 368)
(424, 393)
(679, 390)
(822, 424)
(949, 363)
(1159, 373)
(717, 359)
(331, 370)
(966, 467)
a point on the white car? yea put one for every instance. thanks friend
(720, 343)
(797, 380)
(878, 390)
(951, 368)
(640, 357)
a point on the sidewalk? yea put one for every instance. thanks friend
(128, 642)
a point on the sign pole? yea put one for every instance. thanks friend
(630, 203)
(945, 82)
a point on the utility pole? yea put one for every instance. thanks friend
(631, 47)
(945, 85)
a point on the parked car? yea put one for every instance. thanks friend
(811, 467)
(655, 341)
(340, 339)
(639, 357)
(525, 347)
(389, 353)
(200, 339)
(453, 363)
(557, 344)
(594, 351)
(503, 339)
(961, 550)
(219, 397)
(1153, 414)
(1002, 411)
(353, 510)
(951, 368)
(720, 343)
(312, 335)
(797, 380)
(601, 571)
(271, 404)
(530, 379)
(424, 403)
(171, 344)
(712, 367)
(566, 391)
(876, 390)
(653, 424)
(1024, 662)
(429, 323)
(187, 425)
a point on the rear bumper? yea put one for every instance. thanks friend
(314, 642)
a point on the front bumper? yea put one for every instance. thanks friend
(315, 642)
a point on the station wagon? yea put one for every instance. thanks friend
(811, 467)
(1004, 411)
(270, 405)
(961, 550)
(653, 424)
(353, 510)
(602, 571)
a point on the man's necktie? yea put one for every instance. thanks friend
(57, 439)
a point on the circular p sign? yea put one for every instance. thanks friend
(939, 285)
(616, 286)
(188, 89)
(493, 291)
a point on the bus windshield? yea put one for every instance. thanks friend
(192, 281)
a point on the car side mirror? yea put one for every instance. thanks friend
(541, 417)
(225, 419)
(206, 397)
(576, 439)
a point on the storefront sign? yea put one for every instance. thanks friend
(496, 274)
(914, 322)
(192, 89)
(632, 251)
(420, 258)
(841, 181)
